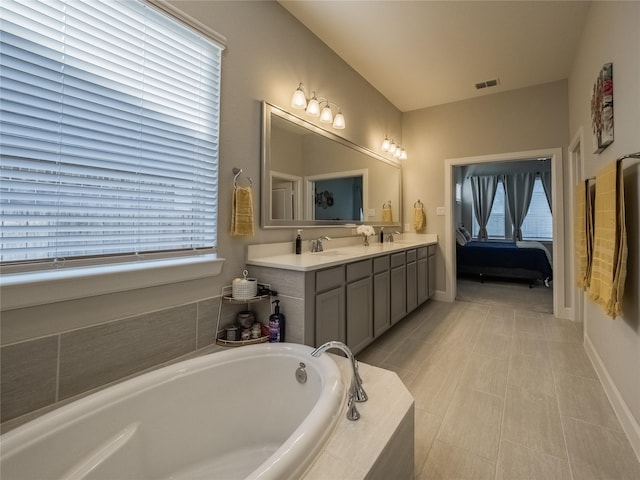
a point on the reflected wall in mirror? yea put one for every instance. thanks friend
(313, 177)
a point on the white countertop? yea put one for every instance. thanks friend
(337, 252)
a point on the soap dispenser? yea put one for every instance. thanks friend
(381, 235)
(299, 243)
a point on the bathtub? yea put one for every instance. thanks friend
(238, 413)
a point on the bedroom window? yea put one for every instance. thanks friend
(109, 133)
(537, 225)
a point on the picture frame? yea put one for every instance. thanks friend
(602, 109)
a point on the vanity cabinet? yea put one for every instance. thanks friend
(381, 295)
(330, 305)
(359, 305)
(398, 294)
(412, 281)
(422, 273)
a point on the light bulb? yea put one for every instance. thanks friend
(403, 154)
(396, 154)
(313, 108)
(299, 100)
(338, 121)
(392, 147)
(326, 116)
(385, 144)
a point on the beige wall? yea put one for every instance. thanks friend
(528, 119)
(268, 53)
(611, 34)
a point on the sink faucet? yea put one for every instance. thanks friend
(316, 245)
(356, 392)
(390, 236)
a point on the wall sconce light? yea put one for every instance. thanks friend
(312, 107)
(389, 146)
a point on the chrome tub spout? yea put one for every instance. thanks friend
(356, 392)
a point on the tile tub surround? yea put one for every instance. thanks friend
(502, 393)
(36, 375)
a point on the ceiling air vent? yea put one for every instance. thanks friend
(489, 83)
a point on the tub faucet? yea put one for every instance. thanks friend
(356, 392)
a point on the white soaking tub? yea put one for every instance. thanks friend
(238, 413)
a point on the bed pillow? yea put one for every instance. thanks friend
(465, 232)
(460, 238)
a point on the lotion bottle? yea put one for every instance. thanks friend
(276, 325)
(298, 243)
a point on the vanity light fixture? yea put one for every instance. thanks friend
(312, 107)
(389, 146)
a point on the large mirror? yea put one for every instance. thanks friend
(313, 177)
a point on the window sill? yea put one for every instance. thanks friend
(20, 290)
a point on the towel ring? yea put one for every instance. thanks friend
(386, 205)
(418, 204)
(237, 172)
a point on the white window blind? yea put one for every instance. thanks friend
(109, 131)
(538, 224)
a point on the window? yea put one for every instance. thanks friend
(496, 223)
(109, 132)
(537, 225)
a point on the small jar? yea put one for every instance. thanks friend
(246, 334)
(232, 334)
(256, 330)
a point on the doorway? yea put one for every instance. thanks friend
(561, 304)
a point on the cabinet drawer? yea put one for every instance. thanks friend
(358, 270)
(398, 259)
(423, 252)
(329, 278)
(432, 249)
(411, 256)
(381, 264)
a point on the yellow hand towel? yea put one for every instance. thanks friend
(610, 241)
(419, 219)
(242, 212)
(387, 213)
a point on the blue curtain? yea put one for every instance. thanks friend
(484, 192)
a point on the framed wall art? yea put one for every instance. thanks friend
(602, 109)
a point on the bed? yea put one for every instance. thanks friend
(522, 260)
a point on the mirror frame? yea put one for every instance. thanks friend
(265, 184)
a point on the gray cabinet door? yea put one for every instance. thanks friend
(381, 302)
(412, 286)
(423, 280)
(432, 275)
(330, 316)
(359, 314)
(398, 293)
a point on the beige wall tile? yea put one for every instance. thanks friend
(28, 373)
(98, 355)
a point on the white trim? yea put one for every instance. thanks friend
(629, 424)
(168, 9)
(20, 290)
(559, 304)
(576, 156)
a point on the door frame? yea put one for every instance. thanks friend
(561, 305)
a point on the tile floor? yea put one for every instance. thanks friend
(502, 393)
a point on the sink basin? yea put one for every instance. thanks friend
(329, 253)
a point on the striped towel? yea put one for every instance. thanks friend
(387, 213)
(609, 269)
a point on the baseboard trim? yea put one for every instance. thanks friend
(629, 424)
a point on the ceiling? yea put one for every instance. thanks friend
(424, 53)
